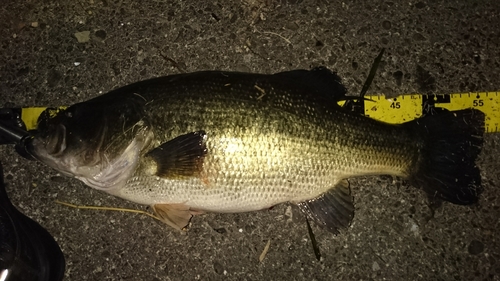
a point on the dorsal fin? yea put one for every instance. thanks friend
(321, 80)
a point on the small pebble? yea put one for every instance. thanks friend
(83, 36)
(475, 247)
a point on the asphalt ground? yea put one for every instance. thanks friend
(60, 52)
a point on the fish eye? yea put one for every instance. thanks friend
(68, 114)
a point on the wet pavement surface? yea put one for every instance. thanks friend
(61, 52)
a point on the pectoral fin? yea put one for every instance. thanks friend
(332, 210)
(180, 157)
(175, 215)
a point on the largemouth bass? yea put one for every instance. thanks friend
(235, 142)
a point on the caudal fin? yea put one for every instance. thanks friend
(446, 166)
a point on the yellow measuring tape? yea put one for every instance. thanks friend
(30, 115)
(408, 107)
(391, 110)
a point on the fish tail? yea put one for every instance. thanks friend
(446, 166)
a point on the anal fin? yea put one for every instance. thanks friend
(332, 210)
(175, 215)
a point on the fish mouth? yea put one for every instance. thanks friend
(45, 145)
(56, 142)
